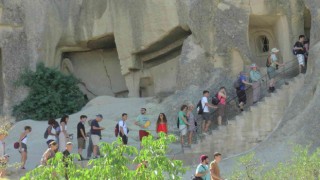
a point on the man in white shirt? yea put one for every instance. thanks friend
(123, 128)
(206, 116)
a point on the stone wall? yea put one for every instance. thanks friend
(162, 46)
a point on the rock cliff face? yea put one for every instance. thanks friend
(152, 48)
(146, 48)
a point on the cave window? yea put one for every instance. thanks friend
(263, 44)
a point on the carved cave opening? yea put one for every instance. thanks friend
(158, 63)
(98, 69)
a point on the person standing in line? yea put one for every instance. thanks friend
(255, 79)
(203, 169)
(299, 50)
(49, 153)
(23, 145)
(143, 122)
(66, 157)
(222, 96)
(52, 134)
(56, 126)
(4, 158)
(162, 125)
(241, 91)
(206, 116)
(96, 133)
(63, 135)
(81, 135)
(192, 121)
(271, 70)
(66, 153)
(214, 167)
(183, 122)
(123, 129)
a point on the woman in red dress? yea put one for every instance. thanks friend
(162, 124)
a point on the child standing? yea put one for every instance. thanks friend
(162, 124)
(23, 145)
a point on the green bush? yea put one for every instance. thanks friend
(302, 165)
(118, 162)
(51, 94)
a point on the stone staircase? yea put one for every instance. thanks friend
(251, 126)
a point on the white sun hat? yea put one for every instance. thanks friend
(274, 50)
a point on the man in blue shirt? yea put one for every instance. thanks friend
(241, 91)
(203, 169)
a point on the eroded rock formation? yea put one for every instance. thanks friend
(146, 48)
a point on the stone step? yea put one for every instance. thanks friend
(251, 126)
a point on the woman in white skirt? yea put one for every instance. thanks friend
(63, 136)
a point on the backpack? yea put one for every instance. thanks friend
(236, 83)
(199, 107)
(268, 63)
(294, 52)
(46, 134)
(215, 100)
(116, 130)
(178, 123)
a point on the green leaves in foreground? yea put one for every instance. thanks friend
(118, 162)
(303, 165)
(51, 94)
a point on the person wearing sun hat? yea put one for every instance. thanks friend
(272, 67)
(255, 78)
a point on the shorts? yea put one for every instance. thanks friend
(124, 139)
(221, 108)
(142, 133)
(183, 129)
(81, 143)
(206, 116)
(242, 97)
(24, 147)
(95, 139)
(300, 58)
(271, 71)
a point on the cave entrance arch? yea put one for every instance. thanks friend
(266, 32)
(98, 68)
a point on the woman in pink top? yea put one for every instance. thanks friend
(222, 96)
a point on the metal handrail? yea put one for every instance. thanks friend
(288, 67)
(280, 75)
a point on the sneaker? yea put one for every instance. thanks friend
(205, 133)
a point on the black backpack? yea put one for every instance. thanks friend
(46, 134)
(117, 130)
(178, 123)
(215, 100)
(199, 107)
(268, 63)
(236, 83)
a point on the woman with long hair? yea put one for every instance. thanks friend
(63, 136)
(162, 124)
